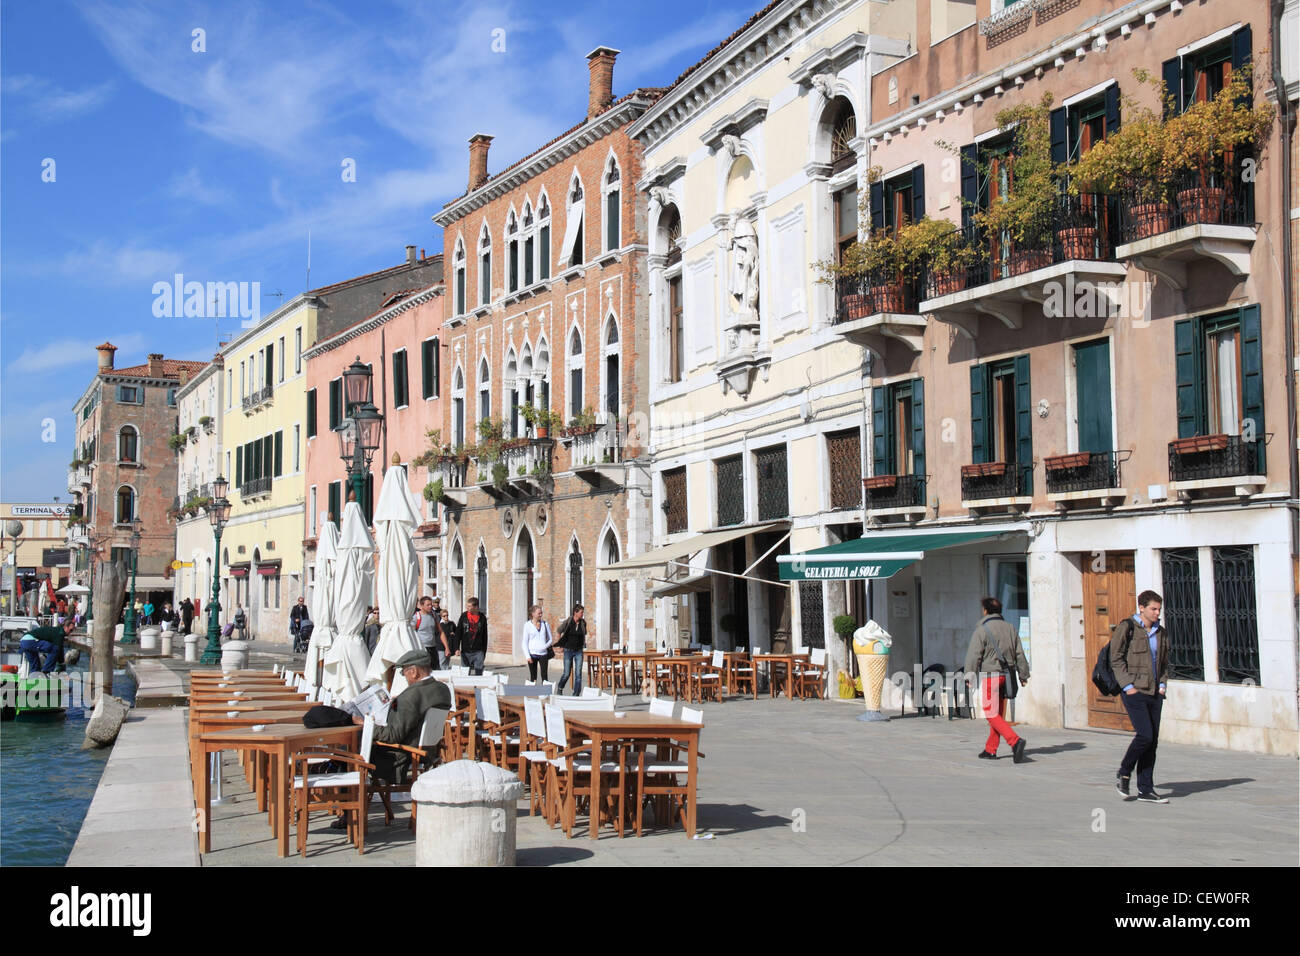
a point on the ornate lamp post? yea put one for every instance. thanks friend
(14, 529)
(360, 430)
(128, 627)
(218, 512)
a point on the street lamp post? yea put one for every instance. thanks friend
(14, 529)
(128, 623)
(218, 512)
(360, 430)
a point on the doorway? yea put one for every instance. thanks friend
(1108, 598)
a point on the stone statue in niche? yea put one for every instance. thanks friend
(743, 287)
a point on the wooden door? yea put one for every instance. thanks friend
(1108, 598)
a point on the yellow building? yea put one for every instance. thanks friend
(42, 546)
(265, 398)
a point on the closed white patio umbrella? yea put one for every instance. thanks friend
(395, 519)
(354, 580)
(322, 601)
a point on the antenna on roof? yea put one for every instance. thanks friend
(308, 260)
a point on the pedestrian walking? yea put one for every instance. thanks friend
(296, 614)
(472, 636)
(997, 657)
(537, 641)
(187, 615)
(425, 624)
(1141, 669)
(241, 622)
(370, 630)
(449, 638)
(148, 610)
(572, 634)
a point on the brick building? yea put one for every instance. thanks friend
(123, 466)
(546, 310)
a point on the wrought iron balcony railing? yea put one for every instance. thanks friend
(1084, 471)
(859, 296)
(258, 398)
(903, 491)
(255, 487)
(1216, 194)
(999, 479)
(1213, 456)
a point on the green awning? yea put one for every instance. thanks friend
(879, 555)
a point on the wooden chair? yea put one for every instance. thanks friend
(659, 778)
(502, 738)
(810, 676)
(427, 748)
(342, 792)
(709, 678)
(742, 675)
(454, 734)
(533, 757)
(571, 776)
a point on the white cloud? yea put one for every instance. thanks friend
(49, 101)
(189, 185)
(64, 352)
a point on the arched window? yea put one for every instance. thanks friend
(670, 231)
(842, 126)
(458, 407)
(481, 578)
(610, 555)
(512, 254)
(485, 267)
(844, 129)
(530, 245)
(571, 251)
(125, 504)
(456, 572)
(674, 351)
(128, 441)
(484, 392)
(575, 574)
(611, 350)
(543, 238)
(611, 205)
(575, 374)
(512, 389)
(459, 266)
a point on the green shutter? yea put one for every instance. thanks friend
(1252, 377)
(311, 413)
(437, 367)
(1024, 426)
(1092, 395)
(880, 444)
(918, 193)
(1057, 125)
(270, 364)
(426, 369)
(336, 397)
(979, 404)
(279, 453)
(611, 219)
(334, 502)
(918, 431)
(1171, 72)
(1189, 371)
(239, 466)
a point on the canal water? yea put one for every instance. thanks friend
(47, 782)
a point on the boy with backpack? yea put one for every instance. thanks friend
(1138, 656)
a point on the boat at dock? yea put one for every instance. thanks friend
(25, 696)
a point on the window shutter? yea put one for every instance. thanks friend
(1171, 71)
(1024, 426)
(311, 413)
(1056, 128)
(397, 379)
(1252, 376)
(334, 502)
(460, 291)
(1189, 373)
(877, 207)
(970, 183)
(1241, 47)
(336, 398)
(279, 453)
(1112, 109)
(918, 193)
(268, 452)
(270, 364)
(880, 431)
(544, 252)
(611, 219)
(979, 403)
(572, 226)
(918, 430)
(426, 369)
(437, 368)
(239, 466)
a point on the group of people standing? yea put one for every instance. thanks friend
(444, 639)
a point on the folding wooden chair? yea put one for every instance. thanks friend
(342, 792)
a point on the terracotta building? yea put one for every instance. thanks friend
(546, 311)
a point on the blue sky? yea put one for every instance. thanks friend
(215, 164)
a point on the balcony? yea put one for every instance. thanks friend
(528, 465)
(78, 479)
(1072, 256)
(596, 456)
(1216, 463)
(256, 488)
(994, 486)
(1212, 218)
(872, 309)
(257, 399)
(452, 472)
(1084, 478)
(895, 497)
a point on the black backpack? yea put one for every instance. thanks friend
(1103, 677)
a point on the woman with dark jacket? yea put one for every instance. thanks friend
(995, 649)
(572, 634)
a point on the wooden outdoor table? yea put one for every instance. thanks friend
(202, 722)
(683, 666)
(224, 675)
(629, 659)
(786, 661)
(278, 742)
(254, 695)
(605, 728)
(599, 665)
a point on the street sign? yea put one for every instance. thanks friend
(177, 565)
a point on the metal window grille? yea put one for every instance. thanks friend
(731, 491)
(844, 449)
(675, 499)
(575, 577)
(811, 614)
(1234, 614)
(773, 499)
(1181, 578)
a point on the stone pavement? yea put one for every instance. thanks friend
(791, 783)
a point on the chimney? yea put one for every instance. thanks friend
(410, 255)
(478, 150)
(600, 63)
(155, 365)
(184, 375)
(106, 356)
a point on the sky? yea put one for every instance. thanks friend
(142, 140)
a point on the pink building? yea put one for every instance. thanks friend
(401, 344)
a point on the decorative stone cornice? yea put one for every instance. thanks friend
(374, 322)
(735, 124)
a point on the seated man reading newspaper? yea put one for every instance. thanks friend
(405, 715)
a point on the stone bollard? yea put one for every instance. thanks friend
(165, 644)
(105, 722)
(234, 655)
(466, 815)
(191, 647)
(118, 631)
(148, 638)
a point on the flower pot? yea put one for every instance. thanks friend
(1199, 443)
(1079, 459)
(1201, 204)
(855, 306)
(1079, 242)
(543, 431)
(984, 469)
(946, 283)
(1151, 219)
(878, 482)
(888, 298)
(1027, 260)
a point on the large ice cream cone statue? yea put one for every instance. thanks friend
(871, 644)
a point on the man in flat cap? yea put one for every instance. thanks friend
(406, 716)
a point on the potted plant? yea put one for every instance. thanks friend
(1078, 459)
(939, 244)
(500, 474)
(1205, 142)
(177, 442)
(583, 423)
(1199, 443)
(880, 482)
(491, 429)
(984, 469)
(433, 490)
